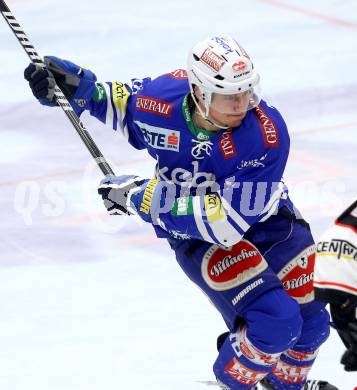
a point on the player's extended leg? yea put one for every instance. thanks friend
(264, 321)
(290, 372)
(270, 325)
(292, 259)
(277, 252)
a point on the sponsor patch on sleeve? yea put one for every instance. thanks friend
(213, 207)
(120, 95)
(182, 206)
(99, 93)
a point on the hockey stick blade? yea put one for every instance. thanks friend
(213, 383)
(221, 386)
(59, 96)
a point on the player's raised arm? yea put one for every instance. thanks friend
(77, 84)
(110, 102)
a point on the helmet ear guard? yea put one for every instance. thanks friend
(206, 97)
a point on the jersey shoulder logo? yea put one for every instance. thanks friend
(268, 128)
(227, 145)
(154, 106)
(178, 74)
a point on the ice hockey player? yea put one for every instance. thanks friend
(336, 279)
(219, 199)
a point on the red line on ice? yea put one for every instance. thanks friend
(314, 14)
(328, 127)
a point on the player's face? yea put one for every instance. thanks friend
(229, 110)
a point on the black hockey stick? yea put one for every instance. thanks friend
(59, 96)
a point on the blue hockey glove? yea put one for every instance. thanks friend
(129, 194)
(77, 84)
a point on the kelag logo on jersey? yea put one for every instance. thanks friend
(160, 138)
(186, 178)
(154, 106)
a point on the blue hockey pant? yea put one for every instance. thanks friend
(262, 286)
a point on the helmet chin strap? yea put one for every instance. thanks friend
(204, 115)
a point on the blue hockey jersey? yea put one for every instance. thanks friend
(225, 181)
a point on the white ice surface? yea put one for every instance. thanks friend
(89, 302)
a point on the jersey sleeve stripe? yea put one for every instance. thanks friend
(115, 115)
(224, 232)
(110, 112)
(273, 203)
(243, 225)
(197, 213)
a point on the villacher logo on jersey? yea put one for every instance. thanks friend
(298, 274)
(298, 282)
(154, 106)
(224, 269)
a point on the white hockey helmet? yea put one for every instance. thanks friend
(219, 65)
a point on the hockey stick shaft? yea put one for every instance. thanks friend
(59, 96)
